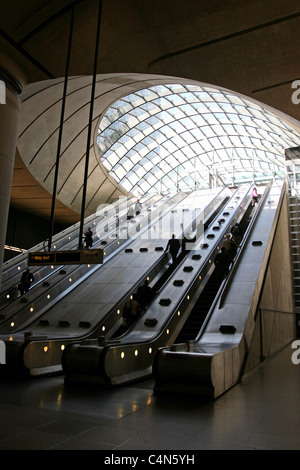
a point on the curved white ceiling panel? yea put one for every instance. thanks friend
(39, 129)
(184, 136)
(150, 133)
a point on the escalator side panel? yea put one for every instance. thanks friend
(133, 358)
(227, 335)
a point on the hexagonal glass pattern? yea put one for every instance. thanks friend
(181, 137)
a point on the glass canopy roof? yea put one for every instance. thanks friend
(181, 137)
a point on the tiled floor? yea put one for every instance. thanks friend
(263, 412)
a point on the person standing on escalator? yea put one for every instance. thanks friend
(222, 263)
(138, 207)
(173, 246)
(131, 311)
(145, 294)
(26, 281)
(236, 234)
(254, 196)
(229, 245)
(88, 238)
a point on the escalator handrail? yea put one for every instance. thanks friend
(175, 307)
(225, 285)
(43, 279)
(145, 275)
(157, 292)
(47, 306)
(245, 239)
(56, 238)
(188, 229)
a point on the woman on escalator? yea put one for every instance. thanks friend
(254, 197)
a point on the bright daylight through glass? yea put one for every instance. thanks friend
(181, 137)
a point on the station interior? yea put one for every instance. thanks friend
(129, 128)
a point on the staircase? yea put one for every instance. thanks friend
(295, 244)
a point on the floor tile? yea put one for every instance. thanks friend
(261, 412)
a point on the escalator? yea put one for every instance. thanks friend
(54, 282)
(166, 272)
(84, 317)
(65, 240)
(204, 302)
(130, 357)
(198, 314)
(171, 267)
(233, 331)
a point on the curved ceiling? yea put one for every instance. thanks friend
(249, 47)
(39, 129)
(183, 136)
(150, 134)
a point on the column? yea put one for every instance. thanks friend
(9, 118)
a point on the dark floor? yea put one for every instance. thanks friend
(263, 412)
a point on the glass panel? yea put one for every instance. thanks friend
(149, 135)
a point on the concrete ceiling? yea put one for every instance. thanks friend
(249, 47)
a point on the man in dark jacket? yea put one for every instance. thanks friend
(222, 262)
(173, 246)
(145, 294)
(26, 280)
